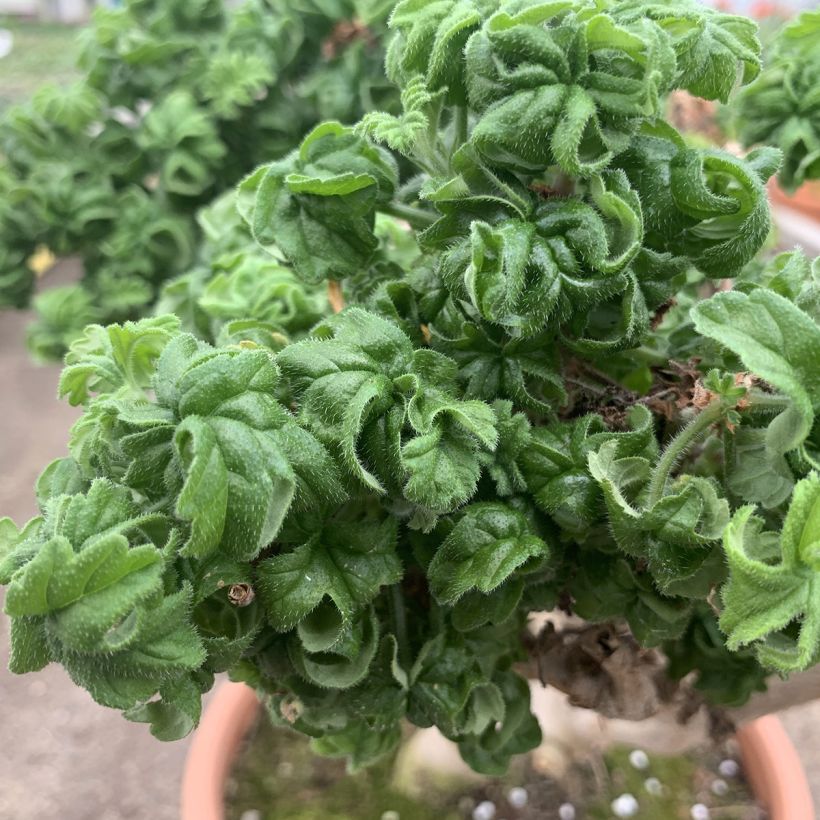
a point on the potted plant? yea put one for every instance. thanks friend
(531, 390)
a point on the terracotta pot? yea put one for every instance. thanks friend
(774, 770)
(226, 721)
(770, 761)
(806, 199)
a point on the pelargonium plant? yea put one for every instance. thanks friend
(498, 366)
(782, 106)
(177, 100)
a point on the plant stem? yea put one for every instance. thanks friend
(678, 446)
(728, 454)
(400, 623)
(771, 402)
(755, 401)
(461, 123)
(417, 218)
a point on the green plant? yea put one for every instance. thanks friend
(538, 396)
(177, 101)
(782, 106)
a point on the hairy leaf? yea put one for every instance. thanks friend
(570, 254)
(487, 545)
(347, 562)
(776, 341)
(773, 582)
(316, 206)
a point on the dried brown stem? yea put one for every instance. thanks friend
(334, 296)
(601, 667)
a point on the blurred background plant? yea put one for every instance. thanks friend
(168, 104)
(782, 107)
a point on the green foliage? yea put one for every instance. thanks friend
(484, 548)
(702, 204)
(789, 274)
(88, 587)
(779, 343)
(782, 106)
(519, 274)
(175, 104)
(236, 278)
(365, 392)
(344, 562)
(321, 198)
(726, 678)
(535, 395)
(773, 582)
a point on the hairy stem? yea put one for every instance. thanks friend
(461, 125)
(766, 402)
(418, 219)
(728, 457)
(679, 445)
(400, 623)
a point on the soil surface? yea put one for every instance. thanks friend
(63, 756)
(277, 777)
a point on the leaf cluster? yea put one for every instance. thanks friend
(782, 107)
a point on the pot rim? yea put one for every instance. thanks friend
(774, 770)
(770, 761)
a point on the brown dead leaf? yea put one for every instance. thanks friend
(602, 669)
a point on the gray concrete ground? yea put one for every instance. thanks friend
(63, 757)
